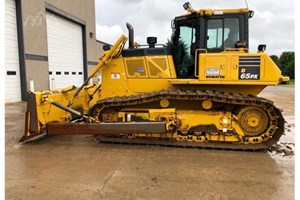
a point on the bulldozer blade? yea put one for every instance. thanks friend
(29, 136)
(24, 139)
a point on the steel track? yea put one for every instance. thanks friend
(236, 99)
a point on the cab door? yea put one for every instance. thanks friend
(185, 43)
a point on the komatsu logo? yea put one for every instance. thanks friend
(249, 73)
(215, 76)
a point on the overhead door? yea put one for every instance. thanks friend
(12, 69)
(65, 52)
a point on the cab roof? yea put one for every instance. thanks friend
(210, 12)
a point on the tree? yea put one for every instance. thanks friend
(286, 63)
(275, 59)
(169, 44)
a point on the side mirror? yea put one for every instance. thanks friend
(262, 48)
(106, 47)
(173, 24)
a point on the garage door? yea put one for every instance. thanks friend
(12, 69)
(65, 52)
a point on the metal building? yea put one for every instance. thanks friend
(51, 42)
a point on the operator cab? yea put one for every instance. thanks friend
(207, 30)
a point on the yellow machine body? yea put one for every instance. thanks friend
(122, 77)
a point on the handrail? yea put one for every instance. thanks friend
(236, 49)
(196, 57)
(102, 61)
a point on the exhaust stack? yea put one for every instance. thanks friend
(130, 35)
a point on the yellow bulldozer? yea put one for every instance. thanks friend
(199, 90)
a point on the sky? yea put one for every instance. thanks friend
(273, 22)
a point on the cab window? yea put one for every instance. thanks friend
(185, 50)
(222, 33)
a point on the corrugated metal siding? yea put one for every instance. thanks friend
(65, 51)
(12, 69)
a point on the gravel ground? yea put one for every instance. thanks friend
(78, 167)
